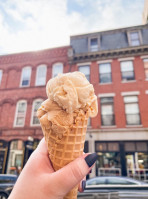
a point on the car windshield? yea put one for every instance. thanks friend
(120, 181)
(97, 181)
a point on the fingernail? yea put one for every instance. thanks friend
(90, 171)
(91, 159)
(83, 184)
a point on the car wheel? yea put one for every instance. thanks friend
(3, 196)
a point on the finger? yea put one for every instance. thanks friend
(40, 157)
(82, 185)
(70, 175)
(42, 148)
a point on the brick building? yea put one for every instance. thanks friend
(23, 77)
(116, 63)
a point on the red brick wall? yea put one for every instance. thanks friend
(11, 93)
(117, 87)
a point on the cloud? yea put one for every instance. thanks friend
(38, 24)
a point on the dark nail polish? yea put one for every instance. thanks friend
(91, 159)
(83, 185)
(90, 171)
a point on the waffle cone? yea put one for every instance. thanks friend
(65, 148)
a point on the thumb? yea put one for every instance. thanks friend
(70, 175)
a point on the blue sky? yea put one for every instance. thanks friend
(27, 25)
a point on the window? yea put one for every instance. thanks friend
(86, 71)
(134, 38)
(36, 105)
(107, 111)
(146, 67)
(56, 69)
(20, 113)
(1, 73)
(26, 74)
(132, 110)
(41, 75)
(15, 157)
(93, 44)
(105, 73)
(127, 71)
(89, 122)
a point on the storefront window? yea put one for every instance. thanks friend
(108, 159)
(15, 160)
(109, 164)
(137, 160)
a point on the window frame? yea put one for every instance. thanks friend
(126, 80)
(56, 64)
(113, 114)
(110, 73)
(83, 66)
(98, 42)
(22, 86)
(145, 69)
(129, 38)
(126, 114)
(37, 72)
(32, 112)
(16, 114)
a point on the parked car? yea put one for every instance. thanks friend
(114, 186)
(6, 184)
(112, 180)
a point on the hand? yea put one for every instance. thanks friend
(38, 180)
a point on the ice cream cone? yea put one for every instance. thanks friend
(65, 148)
(64, 116)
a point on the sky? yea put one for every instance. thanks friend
(31, 25)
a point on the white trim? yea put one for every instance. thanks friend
(105, 83)
(54, 65)
(106, 127)
(37, 71)
(129, 37)
(32, 112)
(22, 76)
(95, 36)
(130, 93)
(134, 126)
(126, 59)
(84, 64)
(16, 111)
(104, 61)
(128, 81)
(146, 92)
(106, 95)
(144, 57)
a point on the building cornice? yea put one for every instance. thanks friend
(109, 54)
(51, 54)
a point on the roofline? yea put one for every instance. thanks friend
(34, 51)
(110, 30)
